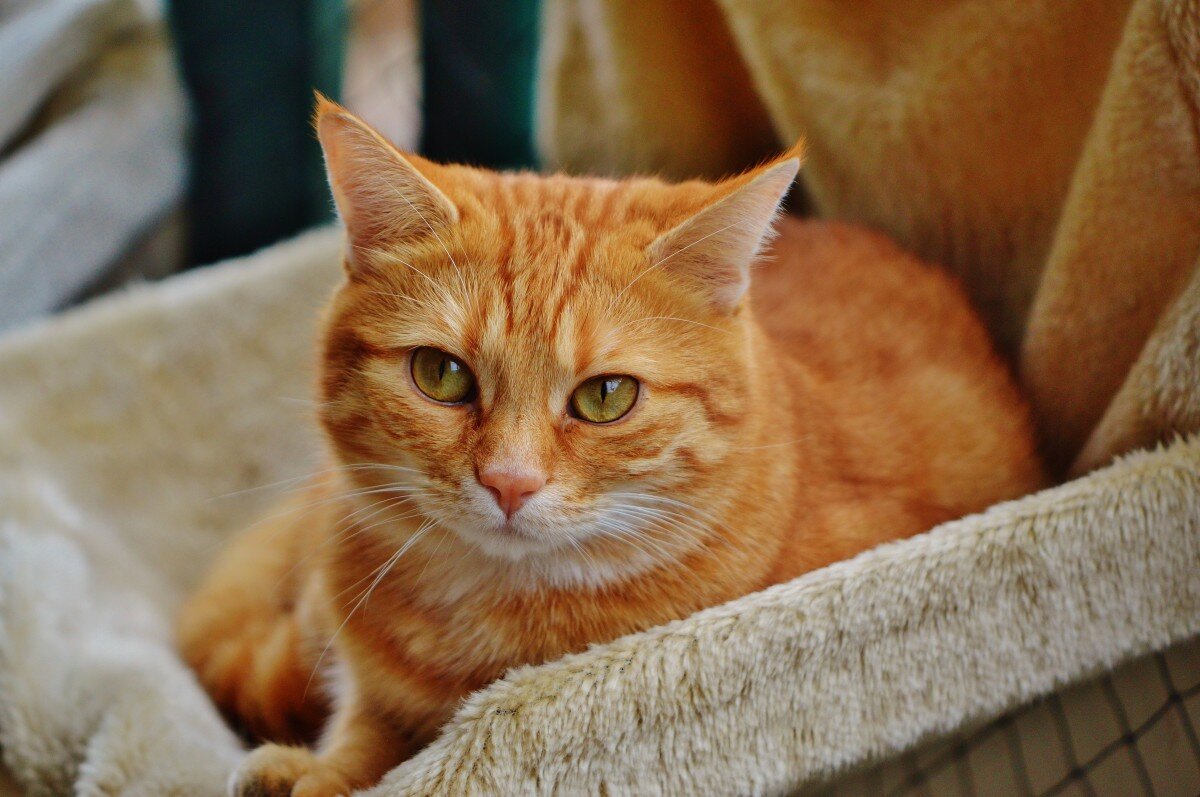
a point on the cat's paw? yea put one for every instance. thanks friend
(275, 770)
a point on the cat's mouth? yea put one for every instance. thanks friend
(476, 521)
(509, 539)
(510, 528)
(552, 526)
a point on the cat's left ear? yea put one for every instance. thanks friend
(382, 197)
(716, 247)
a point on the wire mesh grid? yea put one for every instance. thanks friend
(1131, 731)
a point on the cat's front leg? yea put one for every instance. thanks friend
(359, 748)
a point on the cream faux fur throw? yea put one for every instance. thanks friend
(132, 434)
(1046, 151)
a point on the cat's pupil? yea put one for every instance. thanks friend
(442, 369)
(606, 387)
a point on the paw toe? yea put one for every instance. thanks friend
(271, 771)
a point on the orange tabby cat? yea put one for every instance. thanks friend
(558, 417)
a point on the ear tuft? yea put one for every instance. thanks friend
(382, 197)
(716, 247)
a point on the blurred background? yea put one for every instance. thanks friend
(142, 137)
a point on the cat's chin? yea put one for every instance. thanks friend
(532, 561)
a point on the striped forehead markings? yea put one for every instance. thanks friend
(546, 231)
(571, 271)
(505, 254)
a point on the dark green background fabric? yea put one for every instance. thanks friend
(251, 67)
(480, 61)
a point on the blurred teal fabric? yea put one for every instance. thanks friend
(250, 68)
(480, 64)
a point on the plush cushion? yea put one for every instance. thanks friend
(138, 433)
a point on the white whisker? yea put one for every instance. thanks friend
(383, 570)
(673, 318)
(425, 221)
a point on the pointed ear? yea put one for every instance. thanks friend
(716, 246)
(381, 196)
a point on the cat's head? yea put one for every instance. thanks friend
(541, 364)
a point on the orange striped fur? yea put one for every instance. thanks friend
(851, 397)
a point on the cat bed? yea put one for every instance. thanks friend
(137, 434)
(1045, 152)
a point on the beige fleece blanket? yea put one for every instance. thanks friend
(1044, 150)
(1054, 170)
(134, 432)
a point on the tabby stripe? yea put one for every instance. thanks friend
(568, 281)
(431, 680)
(605, 208)
(694, 391)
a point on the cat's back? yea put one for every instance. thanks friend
(899, 377)
(845, 292)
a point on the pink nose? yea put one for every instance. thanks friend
(511, 488)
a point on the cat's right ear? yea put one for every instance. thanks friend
(382, 198)
(715, 248)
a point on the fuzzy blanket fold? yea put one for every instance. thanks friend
(121, 428)
(132, 436)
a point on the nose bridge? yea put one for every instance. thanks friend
(514, 437)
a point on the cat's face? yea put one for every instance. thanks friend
(540, 364)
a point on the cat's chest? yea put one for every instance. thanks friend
(505, 630)
(442, 634)
(475, 639)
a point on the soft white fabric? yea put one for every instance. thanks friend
(128, 428)
(121, 427)
(92, 121)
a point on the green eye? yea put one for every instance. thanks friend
(441, 376)
(603, 399)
